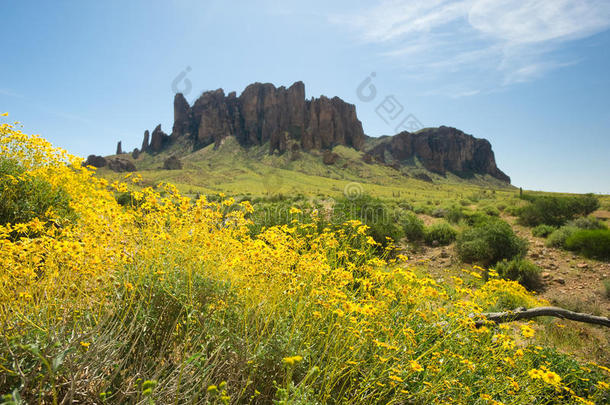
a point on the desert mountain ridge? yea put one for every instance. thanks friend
(283, 120)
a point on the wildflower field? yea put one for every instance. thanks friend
(169, 299)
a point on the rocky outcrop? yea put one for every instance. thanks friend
(158, 139)
(329, 158)
(95, 161)
(135, 153)
(172, 163)
(145, 142)
(121, 165)
(286, 121)
(440, 150)
(262, 114)
(119, 149)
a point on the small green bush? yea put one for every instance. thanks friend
(556, 210)
(558, 238)
(489, 243)
(542, 231)
(454, 215)
(413, 227)
(491, 211)
(441, 233)
(522, 271)
(587, 223)
(383, 221)
(593, 243)
(24, 197)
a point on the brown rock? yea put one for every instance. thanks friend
(95, 161)
(121, 165)
(145, 144)
(119, 149)
(329, 158)
(135, 154)
(172, 163)
(440, 150)
(182, 116)
(264, 113)
(158, 139)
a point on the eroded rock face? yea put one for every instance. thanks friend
(329, 158)
(441, 150)
(121, 165)
(172, 163)
(285, 119)
(158, 140)
(145, 142)
(95, 161)
(119, 149)
(264, 113)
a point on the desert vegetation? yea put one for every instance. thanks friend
(118, 292)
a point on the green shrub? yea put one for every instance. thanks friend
(542, 231)
(556, 210)
(382, 220)
(592, 243)
(558, 238)
(512, 210)
(489, 243)
(24, 197)
(454, 215)
(440, 212)
(587, 223)
(522, 271)
(413, 227)
(441, 233)
(607, 287)
(491, 211)
(478, 218)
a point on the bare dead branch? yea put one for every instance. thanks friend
(522, 313)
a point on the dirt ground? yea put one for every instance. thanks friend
(570, 281)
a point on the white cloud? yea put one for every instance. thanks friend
(506, 41)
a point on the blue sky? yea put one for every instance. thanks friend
(529, 75)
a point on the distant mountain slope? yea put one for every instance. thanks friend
(282, 121)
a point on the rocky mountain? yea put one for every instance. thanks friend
(284, 119)
(264, 113)
(440, 150)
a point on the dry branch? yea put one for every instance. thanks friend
(522, 313)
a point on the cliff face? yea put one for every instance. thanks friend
(264, 113)
(440, 150)
(281, 117)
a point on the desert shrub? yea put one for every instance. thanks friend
(422, 209)
(556, 210)
(413, 227)
(558, 237)
(441, 233)
(606, 283)
(478, 218)
(454, 215)
(512, 210)
(521, 270)
(491, 211)
(501, 207)
(24, 197)
(542, 231)
(489, 243)
(592, 243)
(587, 223)
(382, 220)
(440, 212)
